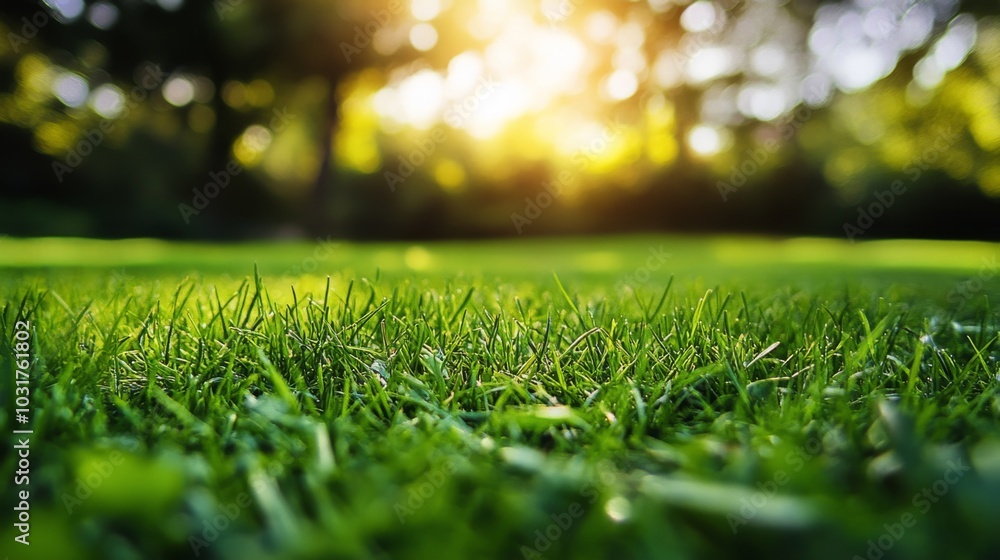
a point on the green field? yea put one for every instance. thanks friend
(590, 398)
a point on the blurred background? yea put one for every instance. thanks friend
(415, 119)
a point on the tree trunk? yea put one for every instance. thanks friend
(320, 213)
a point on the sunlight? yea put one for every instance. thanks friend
(620, 85)
(523, 70)
(426, 10)
(421, 95)
(423, 37)
(532, 65)
(705, 140)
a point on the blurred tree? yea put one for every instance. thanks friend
(799, 102)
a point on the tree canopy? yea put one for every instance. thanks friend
(438, 117)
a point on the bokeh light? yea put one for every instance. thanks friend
(423, 37)
(610, 96)
(68, 10)
(71, 89)
(107, 101)
(178, 90)
(103, 15)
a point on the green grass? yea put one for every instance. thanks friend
(748, 398)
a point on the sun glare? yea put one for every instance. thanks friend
(526, 80)
(526, 66)
(705, 140)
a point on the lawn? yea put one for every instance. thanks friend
(594, 398)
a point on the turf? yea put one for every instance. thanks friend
(593, 398)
